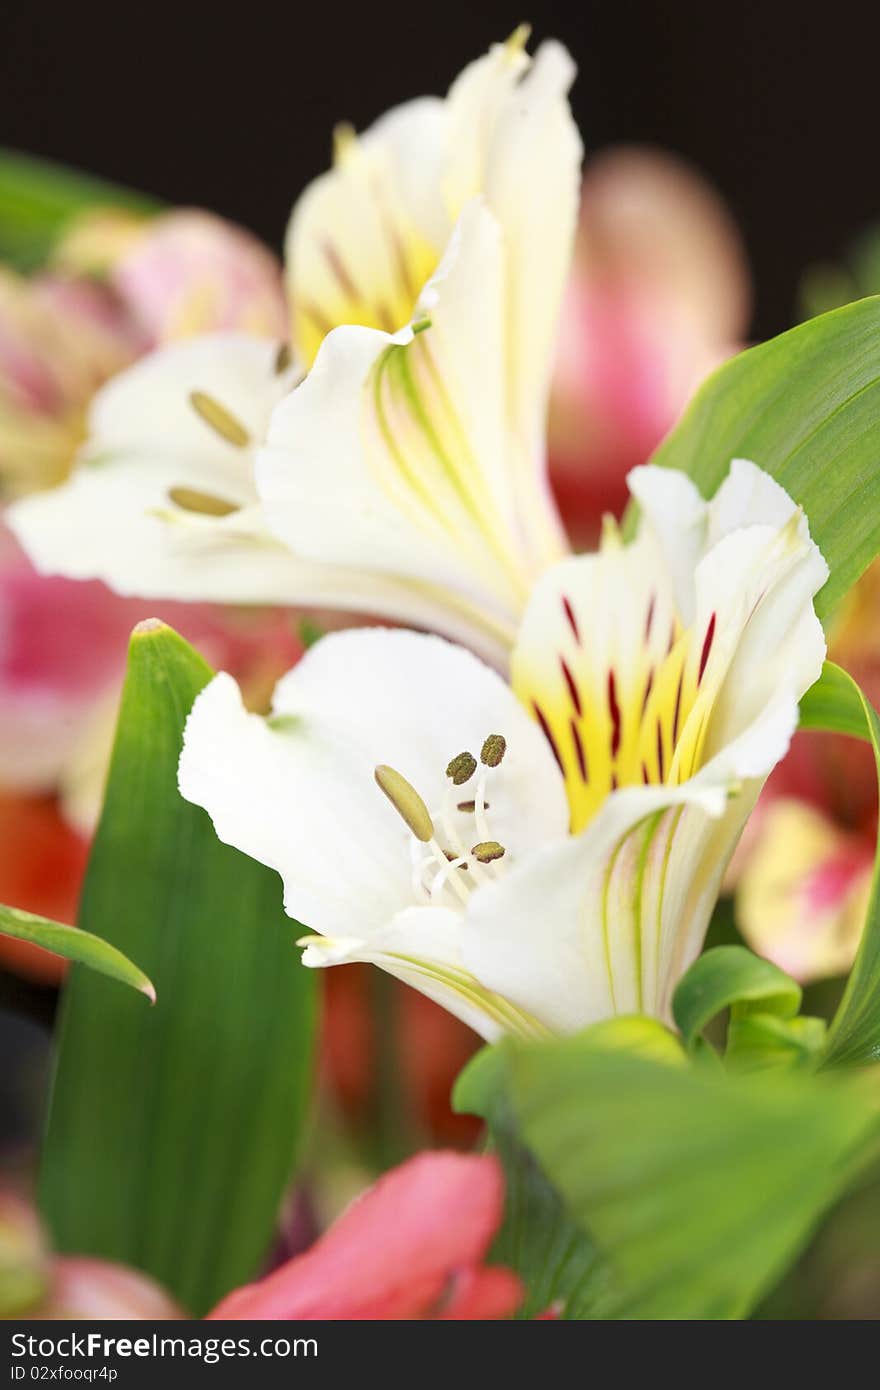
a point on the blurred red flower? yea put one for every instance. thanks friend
(412, 1246)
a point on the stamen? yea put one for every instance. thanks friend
(406, 802)
(283, 358)
(481, 805)
(470, 806)
(493, 750)
(487, 851)
(191, 500)
(344, 139)
(462, 768)
(517, 42)
(219, 418)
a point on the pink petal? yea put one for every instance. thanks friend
(392, 1251)
(87, 1288)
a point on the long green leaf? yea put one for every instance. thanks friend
(172, 1132)
(806, 407)
(697, 1186)
(76, 945)
(854, 1036)
(38, 199)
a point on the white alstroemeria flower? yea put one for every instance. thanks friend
(548, 854)
(406, 475)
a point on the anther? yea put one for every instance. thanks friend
(219, 418)
(462, 768)
(191, 500)
(518, 40)
(488, 850)
(470, 806)
(283, 358)
(493, 750)
(344, 140)
(406, 802)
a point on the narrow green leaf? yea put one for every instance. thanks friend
(806, 407)
(698, 1187)
(731, 977)
(172, 1132)
(38, 199)
(75, 945)
(854, 1036)
(834, 705)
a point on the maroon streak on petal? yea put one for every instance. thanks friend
(707, 647)
(573, 692)
(545, 727)
(572, 620)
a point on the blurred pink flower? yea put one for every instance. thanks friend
(191, 272)
(38, 1285)
(62, 335)
(658, 297)
(412, 1246)
(60, 339)
(63, 648)
(803, 871)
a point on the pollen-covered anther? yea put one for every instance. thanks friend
(222, 421)
(487, 851)
(406, 802)
(470, 806)
(189, 499)
(493, 750)
(461, 769)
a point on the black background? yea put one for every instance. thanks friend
(231, 106)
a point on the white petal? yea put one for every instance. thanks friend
(748, 497)
(421, 947)
(393, 453)
(365, 236)
(298, 792)
(533, 188)
(672, 508)
(114, 520)
(606, 922)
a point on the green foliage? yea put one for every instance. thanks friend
(39, 199)
(172, 1132)
(74, 945)
(696, 1188)
(731, 977)
(806, 407)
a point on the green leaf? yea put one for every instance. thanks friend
(854, 1036)
(834, 704)
(38, 199)
(75, 945)
(806, 407)
(757, 1041)
(699, 1187)
(731, 977)
(172, 1132)
(557, 1261)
